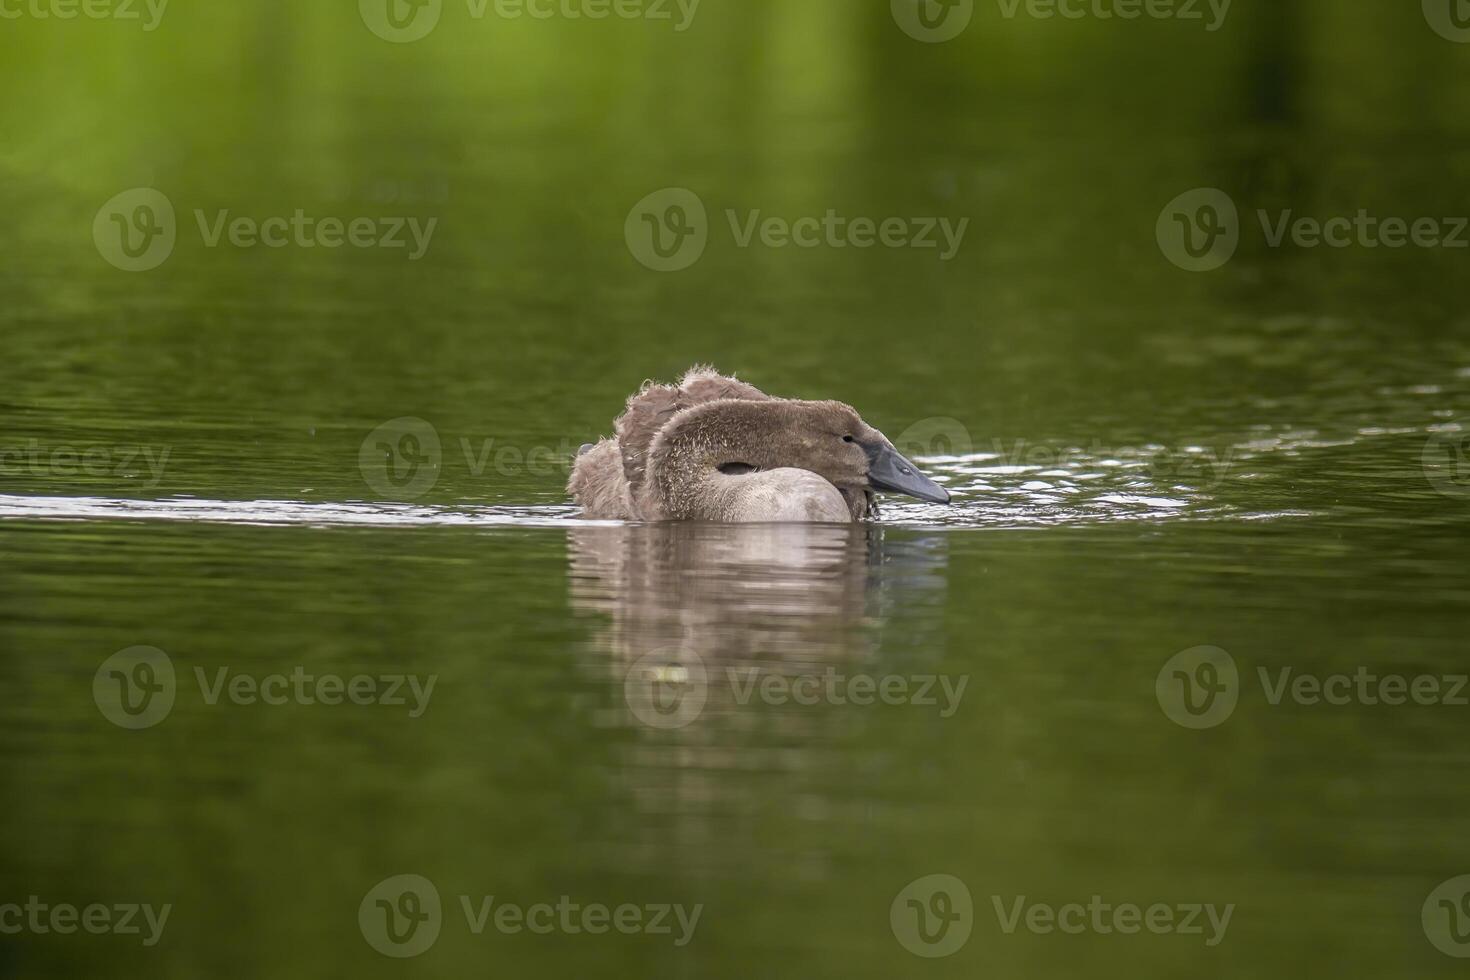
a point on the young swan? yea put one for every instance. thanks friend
(717, 449)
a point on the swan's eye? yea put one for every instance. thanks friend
(848, 439)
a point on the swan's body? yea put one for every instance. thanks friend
(715, 448)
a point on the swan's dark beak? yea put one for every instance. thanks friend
(889, 471)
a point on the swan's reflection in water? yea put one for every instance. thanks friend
(716, 643)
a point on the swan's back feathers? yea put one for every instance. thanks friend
(598, 485)
(656, 404)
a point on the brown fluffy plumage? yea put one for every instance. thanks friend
(716, 448)
(655, 405)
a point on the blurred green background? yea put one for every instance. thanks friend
(1059, 590)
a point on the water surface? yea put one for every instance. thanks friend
(1144, 461)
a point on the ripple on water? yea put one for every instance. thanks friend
(1068, 485)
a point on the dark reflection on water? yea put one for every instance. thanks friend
(729, 655)
(805, 595)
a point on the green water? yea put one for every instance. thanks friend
(1266, 458)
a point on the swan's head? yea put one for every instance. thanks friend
(827, 438)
